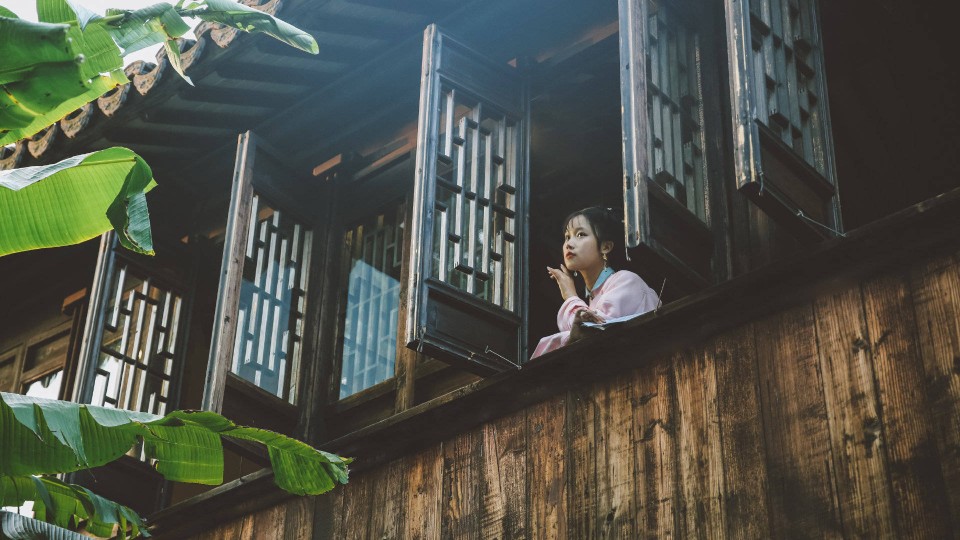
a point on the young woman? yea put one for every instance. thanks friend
(588, 240)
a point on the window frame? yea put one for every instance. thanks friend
(754, 145)
(292, 195)
(669, 239)
(177, 280)
(425, 294)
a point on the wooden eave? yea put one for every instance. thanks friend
(240, 81)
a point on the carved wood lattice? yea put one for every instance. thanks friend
(272, 301)
(136, 358)
(675, 145)
(375, 249)
(786, 75)
(475, 228)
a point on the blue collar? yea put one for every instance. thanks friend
(607, 272)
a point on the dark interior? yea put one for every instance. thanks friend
(893, 86)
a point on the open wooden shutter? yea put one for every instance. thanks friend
(466, 295)
(131, 356)
(781, 122)
(666, 189)
(261, 304)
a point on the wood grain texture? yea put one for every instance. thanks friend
(546, 478)
(504, 478)
(390, 489)
(580, 466)
(853, 412)
(424, 476)
(699, 461)
(801, 498)
(936, 296)
(461, 503)
(741, 442)
(616, 483)
(919, 495)
(655, 451)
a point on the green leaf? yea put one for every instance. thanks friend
(252, 20)
(186, 453)
(147, 26)
(50, 70)
(4, 12)
(68, 505)
(68, 202)
(186, 444)
(173, 53)
(17, 527)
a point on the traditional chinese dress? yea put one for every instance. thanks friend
(615, 294)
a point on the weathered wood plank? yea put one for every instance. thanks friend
(616, 483)
(357, 505)
(741, 443)
(298, 521)
(328, 514)
(504, 478)
(919, 496)
(545, 469)
(424, 476)
(936, 295)
(581, 462)
(387, 509)
(853, 416)
(655, 452)
(699, 461)
(460, 505)
(801, 499)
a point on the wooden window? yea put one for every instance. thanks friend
(132, 353)
(783, 145)
(44, 362)
(373, 250)
(466, 289)
(10, 369)
(668, 190)
(258, 336)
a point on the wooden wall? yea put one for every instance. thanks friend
(837, 417)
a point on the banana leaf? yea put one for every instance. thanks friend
(17, 527)
(251, 20)
(185, 444)
(76, 199)
(70, 506)
(145, 27)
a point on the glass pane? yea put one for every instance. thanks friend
(139, 344)
(477, 169)
(375, 250)
(272, 301)
(787, 74)
(47, 386)
(675, 105)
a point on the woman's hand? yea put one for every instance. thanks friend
(578, 331)
(564, 280)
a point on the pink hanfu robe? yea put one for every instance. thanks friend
(623, 293)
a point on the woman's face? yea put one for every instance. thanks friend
(581, 251)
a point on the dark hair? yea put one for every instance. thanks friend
(605, 224)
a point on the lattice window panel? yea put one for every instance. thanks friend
(786, 75)
(675, 104)
(475, 229)
(138, 348)
(272, 301)
(375, 249)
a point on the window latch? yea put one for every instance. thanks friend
(488, 351)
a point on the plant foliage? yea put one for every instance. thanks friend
(43, 437)
(76, 199)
